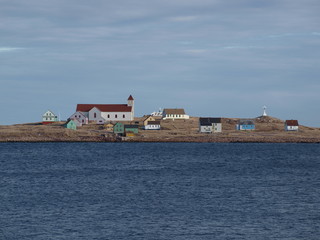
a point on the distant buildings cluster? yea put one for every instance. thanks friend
(119, 118)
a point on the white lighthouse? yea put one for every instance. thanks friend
(264, 111)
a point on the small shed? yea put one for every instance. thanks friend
(291, 125)
(245, 124)
(153, 125)
(70, 125)
(118, 128)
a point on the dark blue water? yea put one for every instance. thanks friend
(159, 191)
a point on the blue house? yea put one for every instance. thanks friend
(245, 124)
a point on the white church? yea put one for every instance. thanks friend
(102, 113)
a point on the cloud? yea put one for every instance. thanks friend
(183, 19)
(239, 47)
(9, 49)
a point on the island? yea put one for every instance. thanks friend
(267, 130)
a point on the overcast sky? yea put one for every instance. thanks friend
(219, 58)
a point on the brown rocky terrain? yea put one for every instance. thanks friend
(268, 129)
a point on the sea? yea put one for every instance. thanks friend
(166, 191)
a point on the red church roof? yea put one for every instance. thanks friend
(104, 107)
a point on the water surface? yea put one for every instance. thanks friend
(159, 191)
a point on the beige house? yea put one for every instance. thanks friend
(174, 113)
(147, 119)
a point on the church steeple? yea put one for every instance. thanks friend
(131, 104)
(130, 98)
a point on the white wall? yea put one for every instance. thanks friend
(206, 129)
(292, 128)
(95, 115)
(152, 127)
(117, 116)
(176, 116)
(217, 127)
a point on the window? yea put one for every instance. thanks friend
(108, 115)
(116, 116)
(124, 116)
(95, 115)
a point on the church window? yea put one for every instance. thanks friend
(116, 116)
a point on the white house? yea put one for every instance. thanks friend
(101, 113)
(209, 125)
(174, 113)
(153, 125)
(291, 125)
(49, 117)
(80, 117)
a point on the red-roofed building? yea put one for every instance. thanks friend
(101, 113)
(291, 125)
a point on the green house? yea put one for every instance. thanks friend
(131, 128)
(70, 125)
(118, 128)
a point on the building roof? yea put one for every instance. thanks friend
(130, 98)
(131, 126)
(49, 111)
(81, 113)
(292, 123)
(174, 111)
(153, 122)
(246, 122)
(147, 117)
(104, 107)
(209, 121)
(70, 121)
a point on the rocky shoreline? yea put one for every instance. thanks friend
(167, 139)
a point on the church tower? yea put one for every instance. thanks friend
(131, 104)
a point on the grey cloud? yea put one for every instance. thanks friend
(231, 48)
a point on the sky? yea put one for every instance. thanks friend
(214, 58)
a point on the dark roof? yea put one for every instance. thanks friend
(130, 98)
(292, 123)
(131, 126)
(153, 122)
(174, 111)
(209, 121)
(104, 107)
(246, 122)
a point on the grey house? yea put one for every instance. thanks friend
(210, 125)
